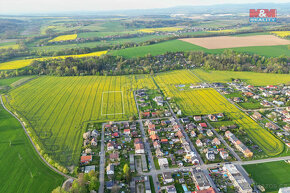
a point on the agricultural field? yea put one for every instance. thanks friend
(282, 34)
(180, 46)
(98, 43)
(162, 29)
(23, 63)
(21, 169)
(220, 42)
(11, 45)
(272, 175)
(103, 34)
(161, 48)
(64, 38)
(209, 101)
(55, 108)
(253, 78)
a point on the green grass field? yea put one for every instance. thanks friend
(21, 169)
(56, 107)
(161, 48)
(272, 175)
(209, 101)
(180, 46)
(257, 79)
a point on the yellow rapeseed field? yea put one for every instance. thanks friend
(64, 38)
(162, 29)
(23, 63)
(14, 46)
(282, 34)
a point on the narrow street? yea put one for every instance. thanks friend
(223, 141)
(102, 161)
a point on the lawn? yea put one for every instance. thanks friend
(55, 108)
(257, 79)
(272, 175)
(21, 168)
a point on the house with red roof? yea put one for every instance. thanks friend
(203, 125)
(86, 159)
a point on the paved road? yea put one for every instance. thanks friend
(102, 161)
(147, 149)
(192, 147)
(54, 169)
(223, 141)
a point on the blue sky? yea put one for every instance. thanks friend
(30, 6)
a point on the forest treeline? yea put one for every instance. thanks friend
(117, 65)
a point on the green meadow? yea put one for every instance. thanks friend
(272, 175)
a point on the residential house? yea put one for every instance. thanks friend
(224, 154)
(210, 156)
(192, 134)
(163, 162)
(216, 141)
(86, 159)
(212, 118)
(156, 144)
(220, 115)
(164, 140)
(94, 133)
(198, 143)
(237, 99)
(146, 114)
(197, 118)
(167, 178)
(209, 190)
(110, 169)
(209, 133)
(287, 127)
(139, 148)
(171, 189)
(159, 153)
(127, 131)
(238, 144)
(159, 100)
(154, 137)
(94, 142)
(257, 116)
(110, 146)
(114, 156)
(271, 125)
(87, 135)
(203, 125)
(89, 168)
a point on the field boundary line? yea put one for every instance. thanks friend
(27, 134)
(114, 99)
